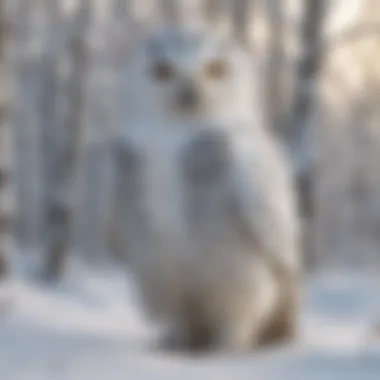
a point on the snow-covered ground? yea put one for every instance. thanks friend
(93, 329)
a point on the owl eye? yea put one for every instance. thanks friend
(216, 69)
(162, 71)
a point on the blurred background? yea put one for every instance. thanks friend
(61, 64)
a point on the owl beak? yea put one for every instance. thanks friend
(187, 97)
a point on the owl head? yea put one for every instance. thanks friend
(189, 75)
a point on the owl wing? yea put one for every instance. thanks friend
(262, 208)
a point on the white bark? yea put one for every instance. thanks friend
(241, 20)
(63, 138)
(170, 12)
(274, 77)
(6, 194)
(24, 66)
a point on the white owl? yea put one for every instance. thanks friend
(210, 225)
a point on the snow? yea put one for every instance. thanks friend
(91, 327)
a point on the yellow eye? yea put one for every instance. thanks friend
(216, 69)
(162, 71)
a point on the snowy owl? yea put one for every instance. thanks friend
(210, 225)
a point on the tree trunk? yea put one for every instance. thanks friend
(299, 126)
(5, 152)
(213, 11)
(170, 12)
(293, 125)
(307, 75)
(64, 144)
(241, 17)
(275, 59)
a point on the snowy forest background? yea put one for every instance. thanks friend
(60, 69)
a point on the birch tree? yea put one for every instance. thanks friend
(5, 151)
(301, 124)
(241, 18)
(274, 68)
(170, 12)
(62, 138)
